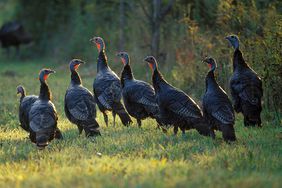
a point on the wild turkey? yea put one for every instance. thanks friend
(107, 87)
(14, 34)
(176, 107)
(43, 116)
(80, 103)
(217, 107)
(25, 105)
(246, 87)
(138, 96)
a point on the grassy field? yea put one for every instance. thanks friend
(130, 157)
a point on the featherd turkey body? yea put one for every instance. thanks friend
(217, 107)
(176, 107)
(138, 96)
(107, 87)
(246, 87)
(43, 116)
(25, 105)
(80, 103)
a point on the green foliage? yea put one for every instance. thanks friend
(205, 12)
(7, 12)
(44, 19)
(130, 157)
(260, 34)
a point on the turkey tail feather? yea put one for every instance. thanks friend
(123, 115)
(92, 129)
(204, 129)
(228, 133)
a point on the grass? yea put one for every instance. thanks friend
(126, 157)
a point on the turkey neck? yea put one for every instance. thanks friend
(102, 61)
(45, 93)
(238, 60)
(126, 74)
(210, 80)
(75, 78)
(158, 80)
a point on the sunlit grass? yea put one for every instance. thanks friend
(126, 157)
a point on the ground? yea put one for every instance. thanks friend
(126, 157)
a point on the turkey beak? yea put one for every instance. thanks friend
(204, 60)
(229, 42)
(18, 91)
(42, 145)
(227, 38)
(52, 72)
(145, 59)
(92, 40)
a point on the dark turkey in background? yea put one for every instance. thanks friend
(14, 34)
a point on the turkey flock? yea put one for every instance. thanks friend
(129, 98)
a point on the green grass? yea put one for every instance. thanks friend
(130, 157)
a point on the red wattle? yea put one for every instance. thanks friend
(45, 76)
(98, 46)
(76, 66)
(123, 61)
(151, 66)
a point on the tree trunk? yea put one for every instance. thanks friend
(121, 24)
(156, 28)
(156, 15)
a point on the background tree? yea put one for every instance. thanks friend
(156, 15)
